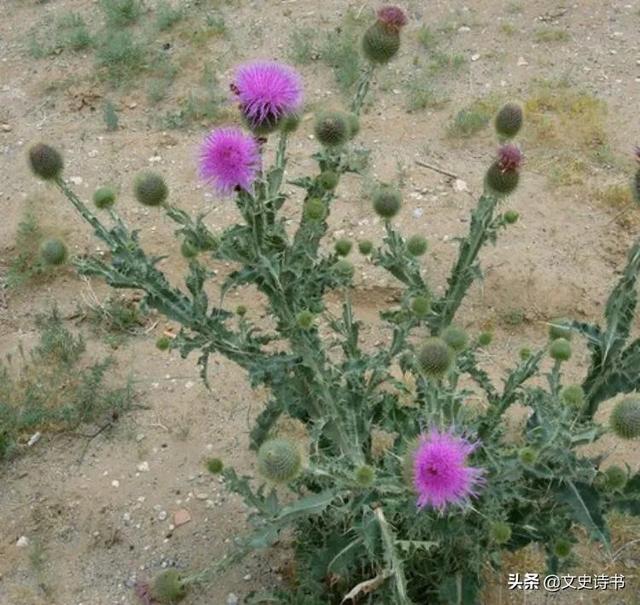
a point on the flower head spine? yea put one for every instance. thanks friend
(230, 159)
(267, 91)
(440, 473)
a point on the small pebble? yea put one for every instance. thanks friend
(22, 542)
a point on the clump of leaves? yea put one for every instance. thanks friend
(110, 116)
(121, 12)
(472, 119)
(52, 389)
(302, 46)
(167, 16)
(119, 55)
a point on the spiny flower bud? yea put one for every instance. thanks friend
(354, 125)
(332, 128)
(328, 180)
(386, 201)
(104, 197)
(525, 353)
(503, 176)
(573, 395)
(279, 460)
(616, 478)
(343, 268)
(509, 120)
(417, 245)
(560, 328)
(290, 123)
(53, 252)
(163, 343)
(168, 587)
(343, 247)
(215, 466)
(241, 310)
(150, 189)
(365, 246)
(304, 319)
(528, 456)
(511, 216)
(485, 339)
(381, 41)
(435, 357)
(560, 349)
(189, 249)
(456, 338)
(314, 209)
(46, 162)
(365, 475)
(625, 418)
(562, 548)
(500, 532)
(420, 305)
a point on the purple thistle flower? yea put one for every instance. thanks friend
(393, 17)
(267, 91)
(509, 157)
(229, 159)
(440, 472)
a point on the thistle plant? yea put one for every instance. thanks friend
(425, 517)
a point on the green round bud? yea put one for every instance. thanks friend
(150, 189)
(53, 252)
(435, 357)
(332, 129)
(343, 247)
(354, 125)
(560, 349)
(365, 246)
(616, 478)
(525, 353)
(163, 343)
(168, 588)
(502, 182)
(290, 123)
(189, 249)
(416, 245)
(241, 310)
(304, 319)
(509, 120)
(500, 532)
(421, 306)
(485, 339)
(527, 456)
(386, 201)
(511, 216)
(380, 44)
(625, 418)
(104, 197)
(456, 338)
(365, 475)
(560, 328)
(46, 162)
(562, 548)
(573, 395)
(215, 466)
(343, 268)
(328, 180)
(279, 460)
(314, 209)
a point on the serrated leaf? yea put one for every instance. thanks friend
(584, 503)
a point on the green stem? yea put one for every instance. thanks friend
(363, 88)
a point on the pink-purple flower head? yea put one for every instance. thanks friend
(267, 92)
(392, 17)
(441, 476)
(230, 160)
(510, 157)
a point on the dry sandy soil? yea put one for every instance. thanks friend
(559, 259)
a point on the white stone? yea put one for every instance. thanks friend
(143, 467)
(22, 542)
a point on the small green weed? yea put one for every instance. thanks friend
(427, 38)
(548, 35)
(119, 56)
(121, 12)
(72, 32)
(167, 16)
(472, 119)
(52, 389)
(110, 116)
(301, 46)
